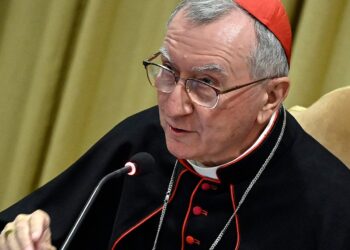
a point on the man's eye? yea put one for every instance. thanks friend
(207, 80)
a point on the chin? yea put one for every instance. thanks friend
(188, 153)
(180, 151)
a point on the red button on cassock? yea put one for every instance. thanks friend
(205, 186)
(190, 240)
(197, 210)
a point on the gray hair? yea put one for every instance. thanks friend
(268, 59)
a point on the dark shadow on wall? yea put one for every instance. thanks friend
(4, 6)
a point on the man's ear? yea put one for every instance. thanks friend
(276, 91)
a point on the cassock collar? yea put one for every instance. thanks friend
(247, 167)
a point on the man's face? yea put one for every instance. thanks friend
(218, 53)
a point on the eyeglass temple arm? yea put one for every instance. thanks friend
(243, 85)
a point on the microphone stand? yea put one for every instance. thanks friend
(126, 169)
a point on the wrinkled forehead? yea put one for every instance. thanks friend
(270, 13)
(228, 28)
(226, 41)
(224, 28)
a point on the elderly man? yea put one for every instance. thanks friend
(241, 173)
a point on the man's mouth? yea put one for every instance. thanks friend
(177, 130)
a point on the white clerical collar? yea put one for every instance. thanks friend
(211, 171)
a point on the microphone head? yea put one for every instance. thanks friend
(142, 162)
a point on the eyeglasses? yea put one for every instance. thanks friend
(200, 92)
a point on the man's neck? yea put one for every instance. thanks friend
(210, 171)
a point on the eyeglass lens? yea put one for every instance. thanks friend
(165, 81)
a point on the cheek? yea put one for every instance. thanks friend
(213, 128)
(223, 127)
(160, 99)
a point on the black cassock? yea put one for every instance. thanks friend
(301, 200)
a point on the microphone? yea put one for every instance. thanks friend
(139, 164)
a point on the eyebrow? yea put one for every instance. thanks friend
(211, 67)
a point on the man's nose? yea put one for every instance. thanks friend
(178, 102)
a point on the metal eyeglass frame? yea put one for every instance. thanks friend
(217, 91)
